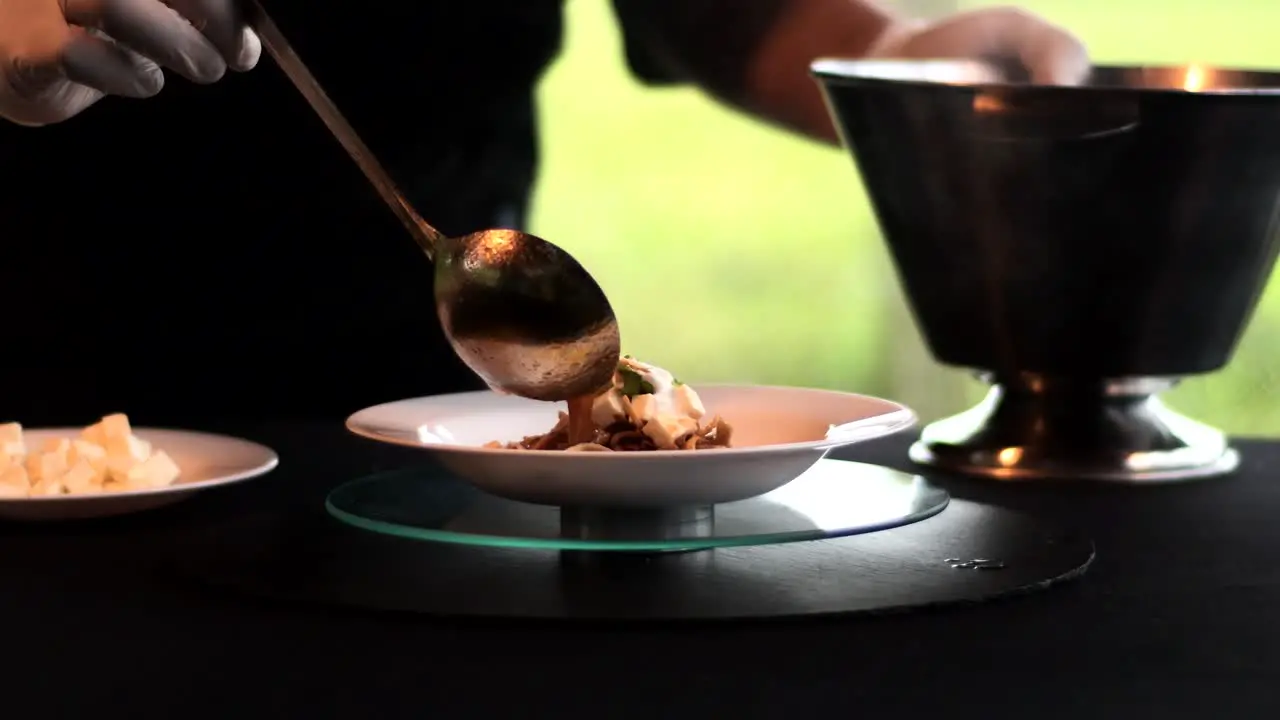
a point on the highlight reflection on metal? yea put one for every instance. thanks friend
(1038, 427)
(518, 310)
(975, 564)
(1195, 79)
(1083, 247)
(834, 499)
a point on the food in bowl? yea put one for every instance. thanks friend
(106, 457)
(646, 408)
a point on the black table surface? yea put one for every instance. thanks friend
(1176, 618)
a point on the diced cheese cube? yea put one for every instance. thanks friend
(82, 478)
(8, 491)
(607, 409)
(116, 426)
(11, 432)
(47, 486)
(157, 471)
(666, 430)
(46, 465)
(687, 401)
(645, 407)
(118, 467)
(128, 446)
(14, 481)
(11, 441)
(94, 434)
(95, 455)
(57, 446)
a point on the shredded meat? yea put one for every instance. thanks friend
(623, 436)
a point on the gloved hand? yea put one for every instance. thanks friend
(58, 57)
(1049, 53)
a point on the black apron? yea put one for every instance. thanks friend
(211, 253)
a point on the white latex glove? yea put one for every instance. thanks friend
(1049, 53)
(58, 57)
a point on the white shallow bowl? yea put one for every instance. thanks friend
(778, 433)
(206, 461)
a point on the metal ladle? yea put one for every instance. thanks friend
(520, 312)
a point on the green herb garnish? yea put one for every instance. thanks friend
(633, 384)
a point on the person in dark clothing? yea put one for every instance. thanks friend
(211, 254)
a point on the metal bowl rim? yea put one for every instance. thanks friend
(844, 71)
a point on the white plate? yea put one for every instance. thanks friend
(778, 433)
(206, 461)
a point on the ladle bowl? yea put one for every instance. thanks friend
(525, 316)
(1081, 247)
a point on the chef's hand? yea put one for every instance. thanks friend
(58, 57)
(1049, 53)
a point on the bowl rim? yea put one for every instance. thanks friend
(895, 419)
(843, 71)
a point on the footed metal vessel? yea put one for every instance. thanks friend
(1081, 247)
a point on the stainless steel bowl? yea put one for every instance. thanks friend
(1083, 247)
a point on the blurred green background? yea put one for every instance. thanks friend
(736, 253)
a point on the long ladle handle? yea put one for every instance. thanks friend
(278, 47)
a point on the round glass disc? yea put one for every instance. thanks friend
(835, 498)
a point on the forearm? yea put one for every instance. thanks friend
(777, 86)
(755, 54)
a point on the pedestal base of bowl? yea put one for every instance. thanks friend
(1033, 427)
